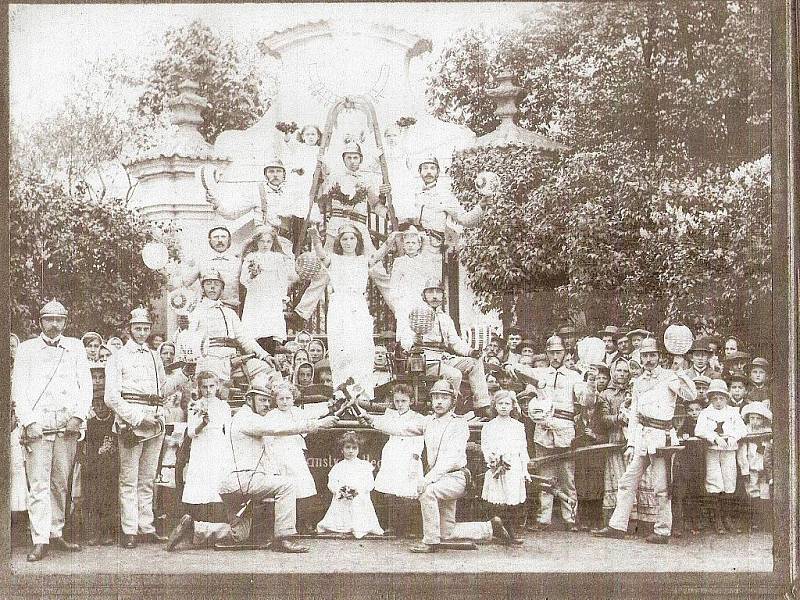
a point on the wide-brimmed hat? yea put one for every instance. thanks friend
(701, 345)
(640, 332)
(757, 408)
(648, 344)
(608, 330)
(718, 386)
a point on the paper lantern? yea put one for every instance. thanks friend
(591, 350)
(182, 301)
(678, 339)
(487, 183)
(155, 255)
(421, 319)
(308, 266)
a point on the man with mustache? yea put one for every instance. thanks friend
(220, 258)
(51, 391)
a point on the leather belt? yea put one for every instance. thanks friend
(435, 347)
(349, 214)
(564, 414)
(436, 235)
(654, 423)
(144, 399)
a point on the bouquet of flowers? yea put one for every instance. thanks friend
(199, 407)
(254, 268)
(498, 465)
(346, 493)
(286, 127)
(404, 122)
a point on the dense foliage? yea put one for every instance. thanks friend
(660, 210)
(83, 251)
(232, 87)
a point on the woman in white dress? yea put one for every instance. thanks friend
(505, 451)
(401, 464)
(289, 451)
(208, 418)
(351, 481)
(266, 273)
(351, 349)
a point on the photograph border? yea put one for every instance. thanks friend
(782, 582)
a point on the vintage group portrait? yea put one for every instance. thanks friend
(344, 300)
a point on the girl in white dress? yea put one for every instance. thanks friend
(207, 421)
(266, 273)
(289, 452)
(351, 481)
(505, 451)
(401, 464)
(407, 281)
(304, 158)
(351, 349)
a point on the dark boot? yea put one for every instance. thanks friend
(607, 512)
(719, 509)
(677, 516)
(730, 517)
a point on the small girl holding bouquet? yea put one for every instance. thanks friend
(505, 451)
(351, 481)
(207, 420)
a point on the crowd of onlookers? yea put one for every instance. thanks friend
(720, 481)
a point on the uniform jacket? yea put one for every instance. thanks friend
(443, 332)
(215, 319)
(228, 264)
(446, 439)
(51, 384)
(654, 396)
(435, 206)
(136, 369)
(559, 387)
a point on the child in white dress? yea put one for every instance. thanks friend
(289, 452)
(505, 451)
(208, 417)
(754, 462)
(351, 481)
(401, 465)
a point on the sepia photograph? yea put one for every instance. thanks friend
(401, 300)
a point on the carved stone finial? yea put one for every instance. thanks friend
(505, 95)
(187, 106)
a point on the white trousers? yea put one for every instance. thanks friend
(721, 470)
(629, 485)
(137, 472)
(48, 466)
(438, 506)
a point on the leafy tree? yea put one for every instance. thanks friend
(231, 85)
(81, 250)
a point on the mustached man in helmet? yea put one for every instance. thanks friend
(274, 205)
(223, 329)
(554, 432)
(445, 481)
(458, 360)
(251, 475)
(655, 394)
(136, 385)
(437, 210)
(222, 258)
(51, 393)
